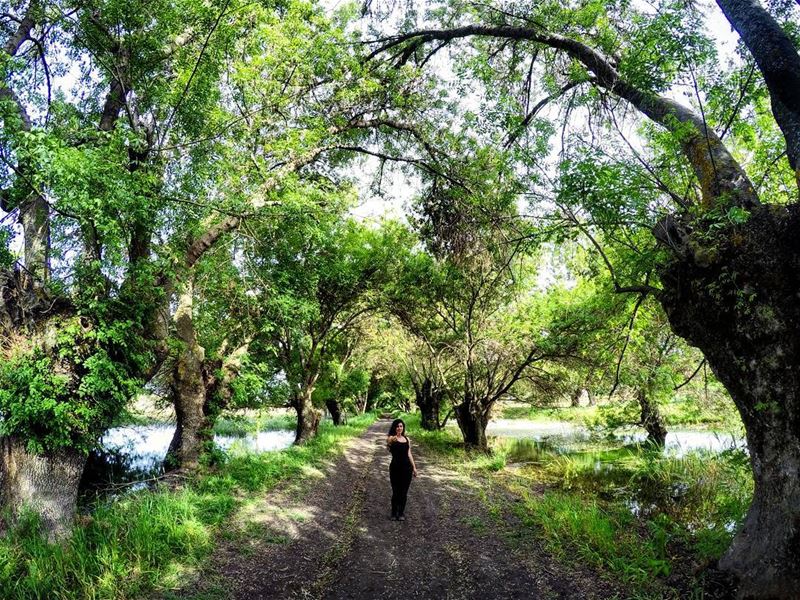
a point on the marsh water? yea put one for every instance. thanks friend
(130, 456)
(621, 466)
(564, 437)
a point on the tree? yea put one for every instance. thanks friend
(175, 130)
(316, 274)
(302, 104)
(343, 383)
(78, 177)
(729, 284)
(422, 342)
(470, 305)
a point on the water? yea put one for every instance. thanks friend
(562, 436)
(536, 430)
(620, 467)
(130, 456)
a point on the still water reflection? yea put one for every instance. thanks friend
(563, 436)
(131, 455)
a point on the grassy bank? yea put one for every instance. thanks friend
(151, 540)
(650, 522)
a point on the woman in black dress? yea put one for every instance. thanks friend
(402, 468)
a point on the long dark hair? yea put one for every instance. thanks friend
(395, 423)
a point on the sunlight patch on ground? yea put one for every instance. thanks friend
(312, 472)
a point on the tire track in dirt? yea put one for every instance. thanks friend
(301, 532)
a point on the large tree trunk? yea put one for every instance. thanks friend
(739, 305)
(472, 422)
(373, 390)
(44, 483)
(652, 421)
(193, 429)
(308, 417)
(581, 397)
(335, 410)
(199, 395)
(35, 219)
(429, 401)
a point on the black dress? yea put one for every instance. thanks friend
(400, 473)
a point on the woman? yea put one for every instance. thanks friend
(402, 468)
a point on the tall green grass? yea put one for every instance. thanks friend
(589, 530)
(643, 519)
(150, 539)
(703, 496)
(445, 442)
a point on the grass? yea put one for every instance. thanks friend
(636, 515)
(575, 415)
(152, 539)
(588, 530)
(446, 442)
(670, 517)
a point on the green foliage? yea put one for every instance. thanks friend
(699, 498)
(444, 441)
(6, 256)
(345, 383)
(317, 274)
(633, 513)
(241, 425)
(658, 47)
(601, 535)
(67, 391)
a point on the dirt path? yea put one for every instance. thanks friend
(333, 539)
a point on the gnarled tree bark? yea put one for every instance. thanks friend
(429, 401)
(201, 388)
(651, 419)
(335, 410)
(46, 484)
(189, 385)
(308, 417)
(472, 422)
(742, 312)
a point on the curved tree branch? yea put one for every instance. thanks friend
(721, 178)
(778, 61)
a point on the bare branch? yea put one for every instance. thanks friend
(627, 341)
(186, 87)
(514, 135)
(688, 379)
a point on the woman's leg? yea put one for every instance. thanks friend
(393, 479)
(403, 495)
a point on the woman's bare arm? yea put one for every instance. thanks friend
(411, 458)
